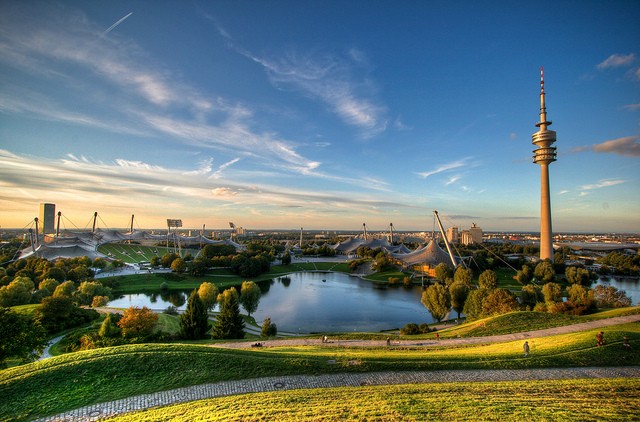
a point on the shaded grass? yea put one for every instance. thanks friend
(78, 379)
(617, 399)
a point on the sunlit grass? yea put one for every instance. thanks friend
(603, 399)
(74, 380)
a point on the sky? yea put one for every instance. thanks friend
(319, 114)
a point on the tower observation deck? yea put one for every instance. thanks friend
(543, 155)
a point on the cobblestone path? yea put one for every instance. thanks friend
(220, 389)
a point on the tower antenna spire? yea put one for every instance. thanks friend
(543, 155)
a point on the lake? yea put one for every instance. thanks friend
(308, 302)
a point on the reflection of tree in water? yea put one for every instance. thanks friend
(177, 299)
(153, 298)
(286, 281)
(265, 285)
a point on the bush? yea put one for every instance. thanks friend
(269, 329)
(423, 328)
(410, 329)
(171, 310)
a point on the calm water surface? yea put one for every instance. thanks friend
(315, 302)
(309, 302)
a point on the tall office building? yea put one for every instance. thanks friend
(543, 155)
(47, 218)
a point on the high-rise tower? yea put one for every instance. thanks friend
(543, 155)
(47, 218)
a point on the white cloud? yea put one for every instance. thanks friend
(617, 60)
(444, 168)
(604, 183)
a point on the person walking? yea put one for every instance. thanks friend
(600, 339)
(525, 347)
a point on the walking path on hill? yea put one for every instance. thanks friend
(294, 382)
(525, 335)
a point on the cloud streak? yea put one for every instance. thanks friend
(444, 168)
(112, 27)
(617, 60)
(628, 146)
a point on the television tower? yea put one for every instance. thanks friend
(543, 155)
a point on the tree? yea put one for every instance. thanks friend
(531, 295)
(464, 275)
(48, 286)
(499, 301)
(473, 304)
(581, 297)
(20, 337)
(198, 267)
(88, 290)
(167, 259)
(57, 313)
(194, 322)
(458, 291)
(525, 275)
(99, 301)
(208, 293)
(286, 259)
(178, 265)
(229, 324)
(488, 280)
(544, 271)
(443, 272)
(56, 273)
(65, 289)
(552, 292)
(137, 322)
(249, 296)
(269, 329)
(109, 327)
(437, 301)
(578, 275)
(610, 297)
(16, 293)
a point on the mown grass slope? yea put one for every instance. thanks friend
(608, 399)
(70, 381)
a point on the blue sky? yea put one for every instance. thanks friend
(319, 114)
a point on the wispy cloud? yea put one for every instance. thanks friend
(617, 60)
(628, 146)
(331, 79)
(604, 183)
(632, 107)
(444, 168)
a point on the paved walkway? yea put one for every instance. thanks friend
(565, 329)
(221, 389)
(227, 388)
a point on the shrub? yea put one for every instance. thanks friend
(410, 329)
(99, 301)
(269, 329)
(423, 328)
(171, 310)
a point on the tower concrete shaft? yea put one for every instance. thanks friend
(543, 155)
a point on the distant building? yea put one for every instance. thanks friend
(452, 235)
(473, 235)
(47, 218)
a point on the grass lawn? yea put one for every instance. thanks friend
(617, 399)
(78, 379)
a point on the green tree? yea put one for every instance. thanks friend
(488, 280)
(464, 275)
(525, 275)
(249, 296)
(443, 272)
(458, 291)
(229, 324)
(552, 292)
(20, 337)
(109, 327)
(544, 271)
(137, 322)
(57, 313)
(65, 289)
(269, 329)
(499, 301)
(198, 267)
(16, 293)
(437, 301)
(88, 290)
(581, 297)
(194, 322)
(531, 295)
(578, 275)
(473, 305)
(208, 293)
(48, 286)
(286, 259)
